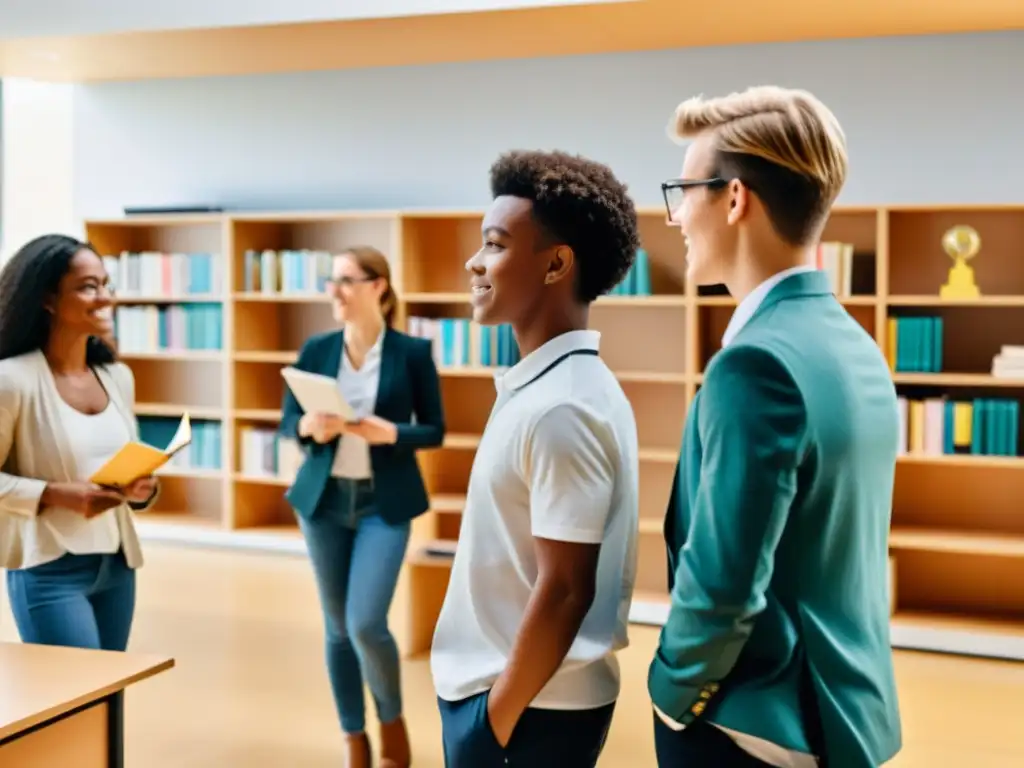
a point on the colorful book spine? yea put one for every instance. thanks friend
(637, 281)
(264, 453)
(286, 272)
(945, 426)
(458, 342)
(204, 452)
(177, 327)
(153, 274)
(914, 344)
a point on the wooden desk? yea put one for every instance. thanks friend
(56, 704)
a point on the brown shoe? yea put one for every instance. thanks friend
(357, 751)
(395, 751)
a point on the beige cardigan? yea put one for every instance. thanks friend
(34, 450)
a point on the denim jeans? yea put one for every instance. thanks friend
(350, 544)
(81, 601)
(78, 601)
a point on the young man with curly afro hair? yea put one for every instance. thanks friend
(524, 651)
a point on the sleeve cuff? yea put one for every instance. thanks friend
(677, 702)
(567, 534)
(23, 499)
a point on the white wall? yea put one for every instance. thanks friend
(37, 165)
(928, 119)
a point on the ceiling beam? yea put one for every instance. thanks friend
(463, 37)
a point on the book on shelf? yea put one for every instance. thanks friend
(637, 281)
(835, 259)
(265, 453)
(177, 327)
(154, 274)
(139, 459)
(282, 272)
(460, 342)
(1009, 363)
(914, 344)
(204, 450)
(936, 426)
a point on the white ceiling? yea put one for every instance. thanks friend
(32, 18)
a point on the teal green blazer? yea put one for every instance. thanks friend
(408, 394)
(777, 533)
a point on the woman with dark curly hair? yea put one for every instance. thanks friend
(524, 652)
(66, 406)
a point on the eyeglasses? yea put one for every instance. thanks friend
(674, 189)
(346, 282)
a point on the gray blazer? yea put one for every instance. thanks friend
(34, 450)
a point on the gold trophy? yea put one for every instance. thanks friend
(962, 243)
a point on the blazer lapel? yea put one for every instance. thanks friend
(332, 362)
(388, 367)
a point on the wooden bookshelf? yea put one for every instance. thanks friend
(957, 540)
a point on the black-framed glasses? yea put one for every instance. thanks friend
(674, 189)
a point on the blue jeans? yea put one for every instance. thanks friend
(81, 601)
(350, 544)
(78, 601)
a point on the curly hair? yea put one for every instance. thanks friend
(28, 279)
(579, 203)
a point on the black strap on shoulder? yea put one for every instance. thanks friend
(555, 363)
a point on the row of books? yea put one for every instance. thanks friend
(941, 426)
(459, 342)
(835, 259)
(155, 274)
(1008, 363)
(263, 452)
(291, 272)
(637, 281)
(204, 452)
(914, 344)
(151, 328)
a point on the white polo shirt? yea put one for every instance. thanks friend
(557, 460)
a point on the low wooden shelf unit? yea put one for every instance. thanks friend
(217, 335)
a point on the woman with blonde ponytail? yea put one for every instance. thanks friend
(360, 486)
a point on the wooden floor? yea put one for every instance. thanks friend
(249, 689)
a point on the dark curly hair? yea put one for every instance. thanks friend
(579, 203)
(28, 279)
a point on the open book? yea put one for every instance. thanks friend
(137, 460)
(317, 393)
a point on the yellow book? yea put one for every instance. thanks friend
(137, 460)
(963, 420)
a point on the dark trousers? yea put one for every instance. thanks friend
(699, 745)
(543, 738)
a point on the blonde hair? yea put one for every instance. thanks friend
(767, 129)
(375, 265)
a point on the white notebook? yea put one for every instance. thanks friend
(317, 393)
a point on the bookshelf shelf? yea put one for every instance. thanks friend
(957, 538)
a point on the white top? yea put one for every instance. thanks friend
(359, 388)
(93, 438)
(766, 751)
(557, 460)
